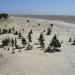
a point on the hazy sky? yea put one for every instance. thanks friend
(40, 7)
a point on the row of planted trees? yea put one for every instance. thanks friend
(54, 44)
(5, 31)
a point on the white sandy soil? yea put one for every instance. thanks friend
(36, 62)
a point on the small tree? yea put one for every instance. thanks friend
(6, 42)
(19, 35)
(55, 43)
(31, 32)
(23, 29)
(29, 47)
(27, 21)
(70, 39)
(23, 41)
(9, 31)
(13, 29)
(12, 42)
(16, 33)
(15, 43)
(49, 31)
(29, 37)
(51, 25)
(73, 42)
(4, 31)
(0, 31)
(41, 40)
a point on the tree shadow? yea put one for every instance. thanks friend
(49, 50)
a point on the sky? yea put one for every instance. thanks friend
(38, 7)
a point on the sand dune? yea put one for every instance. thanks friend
(36, 62)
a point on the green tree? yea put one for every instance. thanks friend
(55, 43)
(73, 42)
(13, 29)
(4, 31)
(41, 40)
(31, 32)
(70, 39)
(12, 42)
(16, 33)
(51, 25)
(6, 42)
(23, 41)
(15, 42)
(9, 31)
(19, 35)
(0, 31)
(29, 37)
(49, 31)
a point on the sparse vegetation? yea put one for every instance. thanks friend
(49, 31)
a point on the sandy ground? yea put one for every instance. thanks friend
(36, 62)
